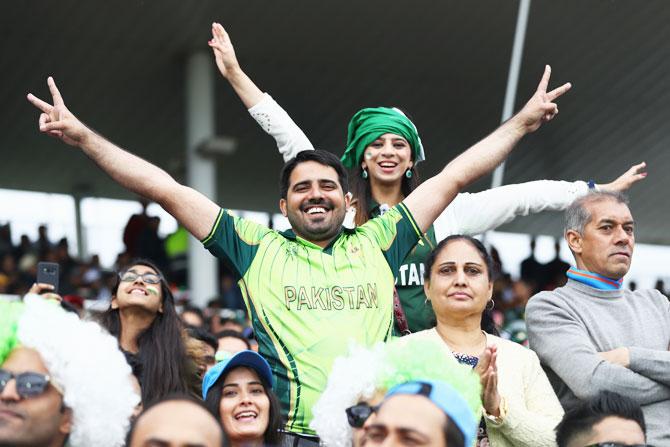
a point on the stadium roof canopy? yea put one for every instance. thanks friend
(120, 65)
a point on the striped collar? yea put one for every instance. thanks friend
(593, 279)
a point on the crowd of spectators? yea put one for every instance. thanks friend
(377, 319)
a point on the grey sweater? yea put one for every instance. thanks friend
(569, 326)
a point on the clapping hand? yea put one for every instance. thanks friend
(488, 374)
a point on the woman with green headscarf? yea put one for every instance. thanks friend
(383, 149)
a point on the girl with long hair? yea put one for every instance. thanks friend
(143, 318)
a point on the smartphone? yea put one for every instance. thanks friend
(47, 273)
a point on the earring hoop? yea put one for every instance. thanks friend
(364, 174)
(493, 305)
(408, 173)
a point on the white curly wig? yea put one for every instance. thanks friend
(85, 361)
(367, 371)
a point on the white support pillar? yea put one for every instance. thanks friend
(513, 77)
(82, 250)
(201, 172)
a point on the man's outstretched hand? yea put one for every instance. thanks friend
(56, 120)
(541, 106)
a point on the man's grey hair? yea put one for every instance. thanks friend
(578, 215)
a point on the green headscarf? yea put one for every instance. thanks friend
(369, 124)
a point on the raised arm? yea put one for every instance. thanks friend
(193, 210)
(432, 196)
(476, 213)
(272, 118)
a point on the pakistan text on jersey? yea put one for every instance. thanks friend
(331, 298)
(410, 275)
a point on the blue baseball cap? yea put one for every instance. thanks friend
(247, 358)
(447, 399)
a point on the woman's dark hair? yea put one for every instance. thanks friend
(583, 417)
(322, 157)
(272, 435)
(166, 367)
(453, 435)
(194, 310)
(360, 189)
(487, 323)
(135, 366)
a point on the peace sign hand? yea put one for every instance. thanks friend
(541, 106)
(56, 120)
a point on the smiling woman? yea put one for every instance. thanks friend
(238, 392)
(143, 318)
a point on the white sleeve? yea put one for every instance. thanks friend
(277, 123)
(476, 213)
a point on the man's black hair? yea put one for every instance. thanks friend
(581, 419)
(233, 334)
(170, 398)
(194, 310)
(204, 336)
(322, 157)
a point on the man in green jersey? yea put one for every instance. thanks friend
(315, 289)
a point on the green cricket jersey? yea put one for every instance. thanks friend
(307, 304)
(409, 280)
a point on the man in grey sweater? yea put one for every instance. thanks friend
(591, 335)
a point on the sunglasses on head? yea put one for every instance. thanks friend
(359, 413)
(28, 384)
(149, 278)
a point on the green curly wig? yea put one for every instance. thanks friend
(410, 360)
(10, 312)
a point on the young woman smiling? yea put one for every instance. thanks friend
(143, 318)
(238, 392)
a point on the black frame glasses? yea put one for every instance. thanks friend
(130, 276)
(359, 413)
(28, 384)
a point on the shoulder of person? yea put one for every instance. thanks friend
(545, 298)
(426, 334)
(652, 295)
(508, 346)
